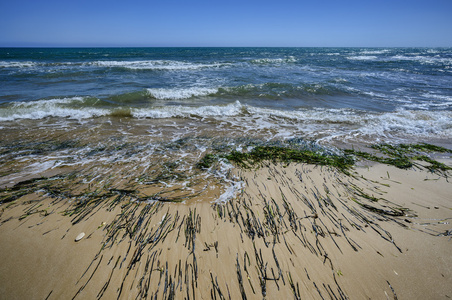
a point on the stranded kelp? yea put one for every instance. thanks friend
(406, 156)
(273, 153)
(169, 178)
(402, 156)
(291, 150)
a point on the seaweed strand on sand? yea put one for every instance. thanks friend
(296, 210)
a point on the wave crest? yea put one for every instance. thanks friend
(156, 65)
(17, 64)
(73, 108)
(315, 123)
(181, 93)
(232, 109)
(267, 61)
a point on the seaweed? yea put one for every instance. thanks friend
(207, 161)
(274, 153)
(405, 156)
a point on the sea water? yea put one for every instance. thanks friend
(359, 94)
(142, 106)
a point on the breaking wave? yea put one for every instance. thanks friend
(317, 123)
(73, 108)
(180, 93)
(156, 65)
(267, 61)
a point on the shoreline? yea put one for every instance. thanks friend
(292, 231)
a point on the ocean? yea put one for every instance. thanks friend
(64, 107)
(322, 94)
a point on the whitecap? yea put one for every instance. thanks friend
(155, 65)
(421, 59)
(383, 51)
(290, 59)
(59, 107)
(232, 109)
(362, 57)
(436, 96)
(180, 93)
(17, 64)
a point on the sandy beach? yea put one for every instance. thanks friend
(293, 230)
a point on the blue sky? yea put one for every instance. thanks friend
(226, 23)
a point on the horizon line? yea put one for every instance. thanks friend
(62, 46)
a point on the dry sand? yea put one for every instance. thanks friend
(296, 231)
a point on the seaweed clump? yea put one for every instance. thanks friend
(273, 153)
(207, 161)
(405, 156)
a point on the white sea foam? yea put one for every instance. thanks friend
(373, 94)
(289, 59)
(156, 65)
(232, 109)
(49, 108)
(133, 65)
(421, 59)
(410, 123)
(59, 112)
(31, 64)
(234, 185)
(383, 51)
(316, 123)
(310, 115)
(17, 64)
(365, 55)
(41, 166)
(417, 58)
(326, 124)
(50, 102)
(178, 94)
(436, 96)
(362, 57)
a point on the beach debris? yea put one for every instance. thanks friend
(79, 236)
(101, 225)
(393, 291)
(286, 154)
(405, 156)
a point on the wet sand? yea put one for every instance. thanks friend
(297, 231)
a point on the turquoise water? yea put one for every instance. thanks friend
(363, 94)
